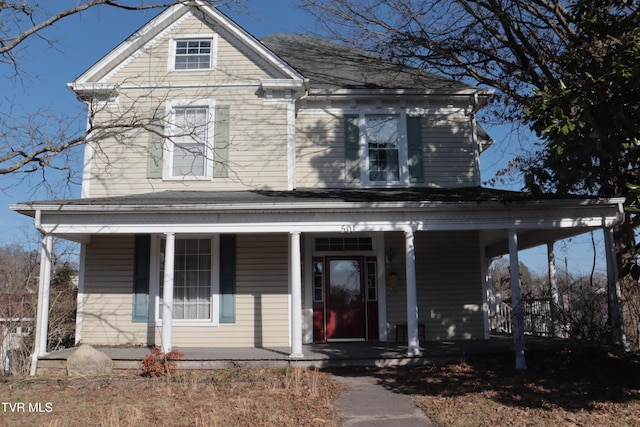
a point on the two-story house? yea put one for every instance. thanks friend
(284, 191)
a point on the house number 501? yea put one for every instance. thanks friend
(348, 228)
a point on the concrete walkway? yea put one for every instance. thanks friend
(368, 403)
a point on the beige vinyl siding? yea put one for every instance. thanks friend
(107, 308)
(257, 151)
(449, 284)
(449, 157)
(320, 150)
(448, 153)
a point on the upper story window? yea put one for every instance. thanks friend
(190, 146)
(383, 149)
(193, 53)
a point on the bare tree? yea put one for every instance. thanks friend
(507, 45)
(36, 140)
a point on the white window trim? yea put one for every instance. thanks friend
(181, 37)
(167, 166)
(403, 147)
(154, 278)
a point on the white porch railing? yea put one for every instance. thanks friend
(504, 322)
(536, 317)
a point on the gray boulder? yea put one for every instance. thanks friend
(87, 361)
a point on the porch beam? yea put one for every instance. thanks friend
(516, 301)
(167, 291)
(616, 320)
(412, 295)
(296, 298)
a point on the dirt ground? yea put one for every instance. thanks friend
(559, 388)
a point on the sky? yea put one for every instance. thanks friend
(82, 40)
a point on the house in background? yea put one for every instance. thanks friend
(284, 191)
(17, 314)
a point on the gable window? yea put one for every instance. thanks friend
(193, 53)
(192, 287)
(190, 145)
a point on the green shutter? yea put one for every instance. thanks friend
(156, 142)
(227, 278)
(414, 142)
(221, 142)
(351, 149)
(141, 268)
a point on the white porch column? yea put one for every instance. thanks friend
(516, 300)
(167, 291)
(554, 299)
(613, 292)
(42, 313)
(46, 263)
(296, 298)
(412, 295)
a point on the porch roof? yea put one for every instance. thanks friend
(538, 218)
(301, 197)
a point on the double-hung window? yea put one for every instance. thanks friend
(190, 145)
(383, 148)
(192, 280)
(204, 279)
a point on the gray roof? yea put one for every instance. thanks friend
(332, 66)
(273, 198)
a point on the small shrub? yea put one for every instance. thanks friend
(159, 364)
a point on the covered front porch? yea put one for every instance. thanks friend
(416, 223)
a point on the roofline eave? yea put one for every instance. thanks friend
(29, 209)
(344, 92)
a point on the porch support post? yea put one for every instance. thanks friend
(516, 299)
(616, 320)
(296, 298)
(412, 295)
(167, 292)
(42, 314)
(47, 262)
(554, 300)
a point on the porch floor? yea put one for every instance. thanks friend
(321, 355)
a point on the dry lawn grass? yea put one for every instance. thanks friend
(559, 388)
(234, 397)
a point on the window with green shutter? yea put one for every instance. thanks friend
(383, 149)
